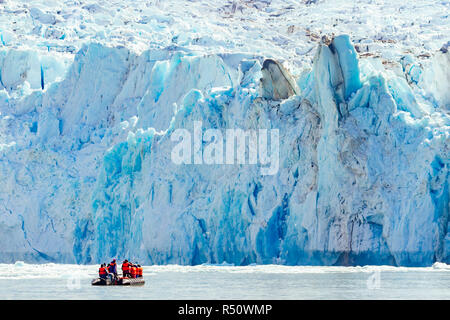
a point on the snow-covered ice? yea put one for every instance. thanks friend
(90, 92)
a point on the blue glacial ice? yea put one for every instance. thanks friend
(86, 172)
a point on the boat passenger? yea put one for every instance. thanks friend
(102, 271)
(140, 271)
(112, 268)
(126, 268)
(133, 271)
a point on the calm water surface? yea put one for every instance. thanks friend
(57, 281)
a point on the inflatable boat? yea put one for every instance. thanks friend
(118, 282)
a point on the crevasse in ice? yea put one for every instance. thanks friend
(86, 170)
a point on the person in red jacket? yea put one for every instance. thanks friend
(102, 271)
(126, 268)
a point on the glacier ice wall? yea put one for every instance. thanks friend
(86, 172)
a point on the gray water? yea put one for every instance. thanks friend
(53, 281)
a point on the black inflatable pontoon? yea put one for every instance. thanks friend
(119, 282)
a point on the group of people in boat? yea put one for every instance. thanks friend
(129, 270)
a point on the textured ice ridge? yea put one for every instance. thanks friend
(86, 173)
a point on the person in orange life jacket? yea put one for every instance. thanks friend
(140, 271)
(126, 268)
(112, 268)
(137, 270)
(102, 271)
(133, 271)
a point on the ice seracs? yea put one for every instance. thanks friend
(85, 149)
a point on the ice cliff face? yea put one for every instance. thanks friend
(86, 171)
